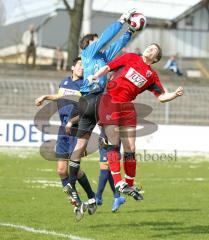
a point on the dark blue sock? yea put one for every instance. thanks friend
(73, 172)
(65, 181)
(103, 177)
(111, 182)
(84, 182)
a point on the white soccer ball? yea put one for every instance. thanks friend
(137, 21)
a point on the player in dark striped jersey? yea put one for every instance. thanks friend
(69, 86)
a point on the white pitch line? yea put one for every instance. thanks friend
(176, 179)
(52, 233)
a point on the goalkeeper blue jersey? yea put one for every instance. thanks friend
(93, 58)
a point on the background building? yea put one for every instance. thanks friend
(181, 27)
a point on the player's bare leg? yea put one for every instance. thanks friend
(113, 145)
(127, 135)
(74, 166)
(113, 155)
(128, 138)
(62, 170)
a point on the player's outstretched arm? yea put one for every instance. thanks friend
(166, 97)
(39, 101)
(109, 33)
(116, 46)
(102, 71)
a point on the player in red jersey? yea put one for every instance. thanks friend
(117, 113)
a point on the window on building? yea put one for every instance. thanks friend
(189, 20)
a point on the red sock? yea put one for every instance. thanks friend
(116, 177)
(130, 181)
(129, 165)
(113, 157)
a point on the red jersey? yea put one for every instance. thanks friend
(135, 77)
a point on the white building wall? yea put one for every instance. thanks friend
(201, 21)
(185, 43)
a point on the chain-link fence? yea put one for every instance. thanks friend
(17, 102)
(17, 97)
(191, 109)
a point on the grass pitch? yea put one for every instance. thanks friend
(176, 204)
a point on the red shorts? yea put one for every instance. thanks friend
(116, 113)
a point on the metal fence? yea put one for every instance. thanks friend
(191, 109)
(17, 102)
(17, 97)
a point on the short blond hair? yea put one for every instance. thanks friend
(159, 55)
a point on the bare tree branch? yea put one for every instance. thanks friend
(75, 17)
(69, 9)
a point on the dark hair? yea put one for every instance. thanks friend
(159, 55)
(75, 60)
(84, 42)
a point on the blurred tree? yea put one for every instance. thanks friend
(76, 17)
(206, 4)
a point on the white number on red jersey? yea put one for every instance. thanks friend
(135, 77)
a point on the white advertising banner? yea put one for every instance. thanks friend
(176, 137)
(24, 133)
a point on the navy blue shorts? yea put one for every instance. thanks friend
(65, 146)
(103, 155)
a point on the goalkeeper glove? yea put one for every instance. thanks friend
(126, 16)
